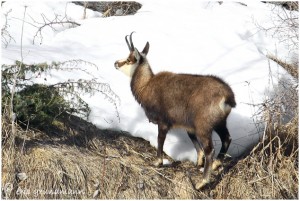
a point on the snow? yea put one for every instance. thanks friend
(185, 37)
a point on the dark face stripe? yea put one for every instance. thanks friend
(121, 63)
(129, 60)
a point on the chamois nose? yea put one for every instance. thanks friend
(117, 65)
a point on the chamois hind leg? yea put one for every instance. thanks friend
(204, 136)
(200, 154)
(162, 132)
(224, 135)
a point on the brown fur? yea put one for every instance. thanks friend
(180, 99)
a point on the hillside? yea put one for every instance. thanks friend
(73, 159)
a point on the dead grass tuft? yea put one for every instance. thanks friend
(78, 161)
(270, 171)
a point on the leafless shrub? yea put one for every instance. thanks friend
(289, 5)
(5, 36)
(52, 23)
(285, 25)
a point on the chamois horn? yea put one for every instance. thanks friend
(130, 45)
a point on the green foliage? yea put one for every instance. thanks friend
(40, 105)
(37, 104)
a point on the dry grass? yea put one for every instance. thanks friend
(269, 172)
(76, 160)
(72, 159)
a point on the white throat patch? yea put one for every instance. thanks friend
(128, 69)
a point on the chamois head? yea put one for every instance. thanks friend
(128, 65)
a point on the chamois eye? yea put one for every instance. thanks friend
(127, 61)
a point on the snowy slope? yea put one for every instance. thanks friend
(185, 36)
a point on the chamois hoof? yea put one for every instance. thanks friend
(202, 184)
(158, 162)
(216, 164)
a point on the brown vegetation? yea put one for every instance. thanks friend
(269, 172)
(74, 159)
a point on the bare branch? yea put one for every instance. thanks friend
(6, 37)
(58, 20)
(291, 69)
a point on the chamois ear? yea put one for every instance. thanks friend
(146, 48)
(137, 54)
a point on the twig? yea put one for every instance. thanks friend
(291, 69)
(257, 180)
(16, 75)
(6, 37)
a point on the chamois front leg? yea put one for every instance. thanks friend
(162, 132)
(200, 153)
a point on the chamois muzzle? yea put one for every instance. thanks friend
(117, 65)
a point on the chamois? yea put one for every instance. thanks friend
(197, 103)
